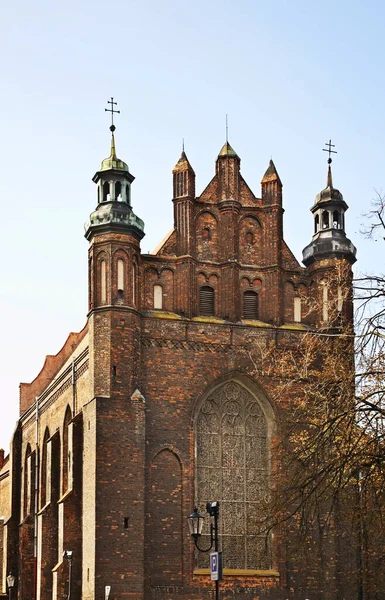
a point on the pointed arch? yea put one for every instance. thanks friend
(44, 469)
(28, 474)
(165, 518)
(67, 450)
(233, 427)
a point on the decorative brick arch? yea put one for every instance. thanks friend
(165, 519)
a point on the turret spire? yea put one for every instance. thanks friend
(114, 211)
(329, 145)
(112, 126)
(329, 237)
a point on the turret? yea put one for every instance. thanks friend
(114, 211)
(329, 238)
(114, 233)
(271, 186)
(183, 197)
(228, 172)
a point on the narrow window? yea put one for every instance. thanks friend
(120, 275)
(103, 286)
(134, 268)
(297, 309)
(158, 297)
(66, 450)
(325, 219)
(250, 305)
(27, 481)
(118, 191)
(325, 311)
(106, 191)
(340, 299)
(336, 220)
(44, 469)
(316, 223)
(206, 300)
(249, 238)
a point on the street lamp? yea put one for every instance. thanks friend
(68, 554)
(195, 523)
(10, 582)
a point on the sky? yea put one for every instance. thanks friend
(290, 75)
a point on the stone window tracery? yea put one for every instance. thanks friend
(232, 460)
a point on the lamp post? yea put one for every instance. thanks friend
(10, 582)
(68, 554)
(195, 523)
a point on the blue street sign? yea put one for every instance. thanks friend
(214, 566)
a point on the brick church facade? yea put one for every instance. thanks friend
(155, 406)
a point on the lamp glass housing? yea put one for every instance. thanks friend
(195, 523)
(11, 580)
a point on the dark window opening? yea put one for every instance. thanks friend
(336, 220)
(325, 220)
(206, 234)
(250, 305)
(316, 223)
(118, 191)
(206, 301)
(249, 238)
(106, 191)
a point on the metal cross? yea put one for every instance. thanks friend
(112, 111)
(329, 149)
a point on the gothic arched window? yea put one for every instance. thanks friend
(28, 474)
(67, 457)
(232, 467)
(120, 269)
(103, 282)
(44, 467)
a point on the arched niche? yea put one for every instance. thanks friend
(165, 519)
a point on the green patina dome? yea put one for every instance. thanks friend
(113, 162)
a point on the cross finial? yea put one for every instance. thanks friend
(329, 150)
(227, 129)
(112, 111)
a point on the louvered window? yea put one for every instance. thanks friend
(206, 300)
(250, 305)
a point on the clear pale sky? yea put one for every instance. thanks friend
(290, 75)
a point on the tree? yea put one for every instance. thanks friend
(330, 467)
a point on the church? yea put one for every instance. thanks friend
(156, 406)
